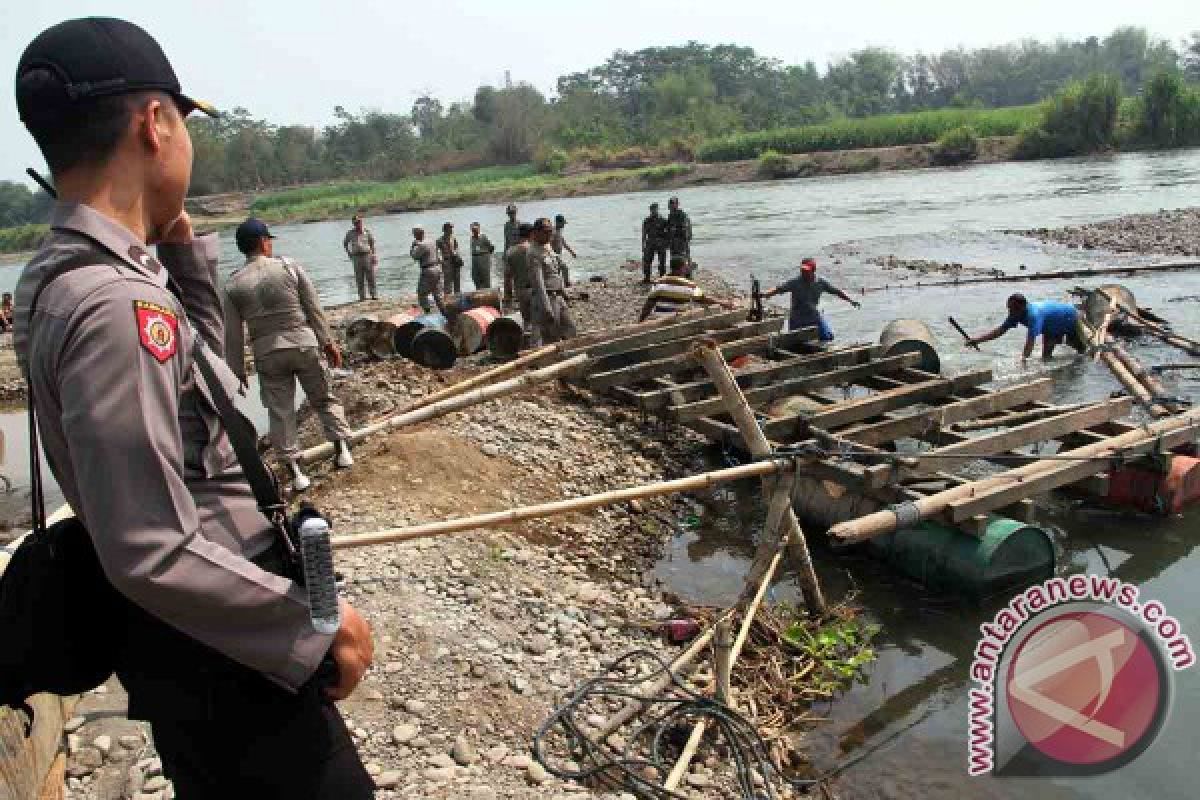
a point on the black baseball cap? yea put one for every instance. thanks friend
(251, 231)
(96, 57)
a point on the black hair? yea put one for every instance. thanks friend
(1017, 300)
(447, 226)
(524, 230)
(87, 134)
(542, 223)
(249, 245)
(559, 220)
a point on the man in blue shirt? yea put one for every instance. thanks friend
(1054, 322)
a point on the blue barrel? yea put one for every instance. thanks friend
(404, 335)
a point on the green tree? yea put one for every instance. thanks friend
(1191, 57)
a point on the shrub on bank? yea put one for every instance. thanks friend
(1080, 118)
(1167, 114)
(882, 131)
(774, 165)
(22, 238)
(550, 160)
(956, 147)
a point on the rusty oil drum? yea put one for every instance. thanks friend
(911, 336)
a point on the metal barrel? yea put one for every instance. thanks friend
(506, 336)
(434, 348)
(1096, 305)
(402, 337)
(912, 336)
(466, 301)
(944, 559)
(383, 343)
(360, 334)
(469, 329)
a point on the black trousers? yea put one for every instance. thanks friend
(648, 254)
(223, 730)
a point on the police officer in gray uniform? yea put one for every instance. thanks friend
(223, 659)
(277, 301)
(551, 317)
(516, 277)
(430, 280)
(359, 244)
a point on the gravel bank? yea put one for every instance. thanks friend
(478, 635)
(1172, 233)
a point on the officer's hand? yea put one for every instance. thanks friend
(352, 651)
(334, 355)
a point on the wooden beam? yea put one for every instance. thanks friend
(891, 399)
(793, 366)
(680, 363)
(675, 347)
(1061, 474)
(642, 338)
(980, 447)
(766, 394)
(958, 411)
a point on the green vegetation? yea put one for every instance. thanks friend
(774, 165)
(882, 131)
(841, 649)
(1081, 118)
(1167, 114)
(957, 146)
(20, 238)
(659, 104)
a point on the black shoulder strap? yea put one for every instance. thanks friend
(240, 430)
(242, 436)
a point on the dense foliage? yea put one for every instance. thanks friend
(882, 131)
(957, 146)
(664, 102)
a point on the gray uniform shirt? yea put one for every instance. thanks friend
(426, 254)
(481, 248)
(516, 266)
(277, 301)
(359, 244)
(511, 234)
(545, 273)
(806, 295)
(133, 439)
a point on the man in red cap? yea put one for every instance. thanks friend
(806, 292)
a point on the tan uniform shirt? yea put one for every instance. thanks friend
(516, 271)
(276, 300)
(133, 439)
(359, 244)
(425, 253)
(447, 248)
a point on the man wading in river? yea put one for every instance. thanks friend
(359, 244)
(217, 650)
(1054, 322)
(806, 292)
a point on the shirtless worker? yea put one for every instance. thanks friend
(806, 292)
(1055, 322)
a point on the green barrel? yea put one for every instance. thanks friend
(945, 559)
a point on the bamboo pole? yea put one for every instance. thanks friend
(723, 658)
(450, 404)
(704, 480)
(886, 521)
(1152, 383)
(756, 442)
(490, 376)
(1091, 272)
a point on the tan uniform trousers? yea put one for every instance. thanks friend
(431, 284)
(525, 306)
(364, 275)
(278, 372)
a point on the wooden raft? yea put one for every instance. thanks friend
(871, 406)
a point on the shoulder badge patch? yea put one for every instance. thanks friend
(158, 329)
(147, 261)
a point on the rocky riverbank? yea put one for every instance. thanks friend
(478, 635)
(1172, 233)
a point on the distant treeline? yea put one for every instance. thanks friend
(717, 102)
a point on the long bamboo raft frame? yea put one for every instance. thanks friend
(884, 400)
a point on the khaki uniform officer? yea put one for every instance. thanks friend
(481, 258)
(277, 301)
(360, 246)
(430, 281)
(511, 227)
(551, 317)
(452, 261)
(219, 654)
(516, 277)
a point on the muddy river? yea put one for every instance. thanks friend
(902, 733)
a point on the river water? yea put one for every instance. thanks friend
(910, 715)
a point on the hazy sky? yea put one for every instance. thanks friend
(291, 61)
